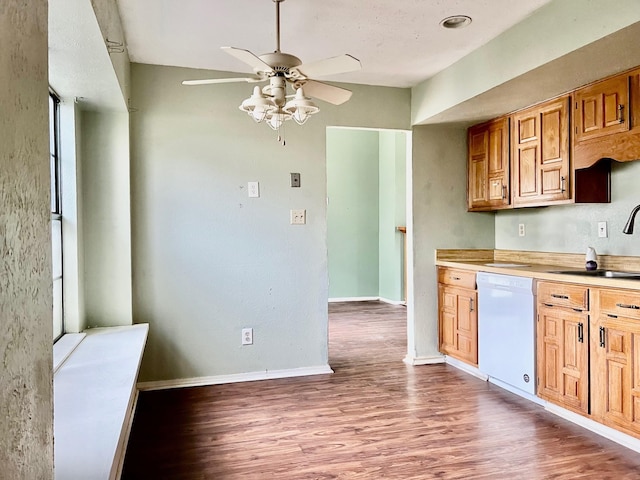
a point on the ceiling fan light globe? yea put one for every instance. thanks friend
(276, 119)
(257, 105)
(301, 108)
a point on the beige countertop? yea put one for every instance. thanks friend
(528, 264)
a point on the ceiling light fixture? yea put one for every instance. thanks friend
(456, 21)
(269, 104)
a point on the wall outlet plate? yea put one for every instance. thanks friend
(298, 217)
(602, 230)
(521, 230)
(247, 336)
(253, 189)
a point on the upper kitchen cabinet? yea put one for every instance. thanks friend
(607, 120)
(488, 166)
(540, 154)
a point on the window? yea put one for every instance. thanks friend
(56, 215)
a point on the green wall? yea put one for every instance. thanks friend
(367, 201)
(209, 261)
(573, 228)
(352, 212)
(392, 214)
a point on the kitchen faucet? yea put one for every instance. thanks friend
(628, 228)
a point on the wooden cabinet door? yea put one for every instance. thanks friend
(562, 357)
(488, 165)
(458, 323)
(448, 311)
(616, 364)
(478, 167)
(540, 154)
(602, 108)
(467, 326)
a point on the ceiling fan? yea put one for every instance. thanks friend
(278, 68)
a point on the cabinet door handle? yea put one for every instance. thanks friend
(624, 305)
(620, 113)
(504, 192)
(563, 297)
(471, 305)
(581, 332)
(562, 184)
(602, 336)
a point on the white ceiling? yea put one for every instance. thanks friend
(399, 42)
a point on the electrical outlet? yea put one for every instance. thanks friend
(602, 230)
(521, 231)
(247, 336)
(298, 217)
(253, 189)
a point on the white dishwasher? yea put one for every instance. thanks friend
(506, 332)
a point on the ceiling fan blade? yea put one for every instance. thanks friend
(326, 92)
(209, 81)
(249, 58)
(329, 66)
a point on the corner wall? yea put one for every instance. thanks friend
(26, 376)
(106, 223)
(440, 220)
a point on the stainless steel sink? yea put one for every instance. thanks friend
(600, 273)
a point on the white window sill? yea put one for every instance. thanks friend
(94, 394)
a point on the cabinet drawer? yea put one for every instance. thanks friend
(459, 278)
(623, 303)
(563, 295)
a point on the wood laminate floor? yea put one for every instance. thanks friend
(374, 418)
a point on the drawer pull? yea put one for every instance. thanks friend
(581, 332)
(548, 304)
(602, 336)
(624, 305)
(455, 278)
(563, 297)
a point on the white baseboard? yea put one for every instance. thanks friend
(234, 378)
(471, 370)
(392, 302)
(353, 299)
(602, 430)
(367, 299)
(411, 360)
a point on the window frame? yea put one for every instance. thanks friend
(56, 208)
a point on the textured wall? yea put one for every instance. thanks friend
(440, 220)
(208, 260)
(26, 438)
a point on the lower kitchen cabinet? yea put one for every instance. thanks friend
(588, 352)
(562, 345)
(615, 359)
(457, 315)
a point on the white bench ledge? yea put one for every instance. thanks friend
(94, 393)
(65, 347)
